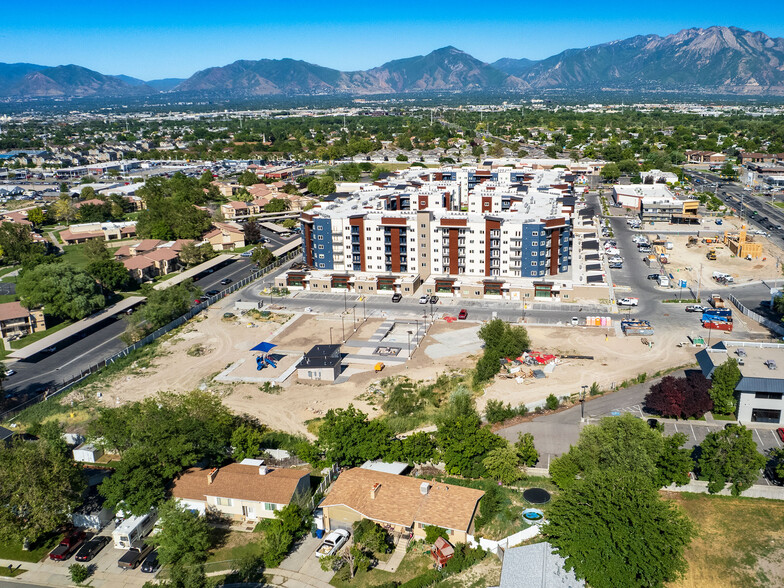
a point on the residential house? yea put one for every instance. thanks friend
(705, 157)
(225, 236)
(536, 566)
(321, 362)
(140, 267)
(400, 503)
(247, 490)
(760, 390)
(17, 321)
(166, 260)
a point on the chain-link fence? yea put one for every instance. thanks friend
(69, 382)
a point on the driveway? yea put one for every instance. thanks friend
(304, 561)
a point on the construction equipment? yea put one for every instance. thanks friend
(712, 254)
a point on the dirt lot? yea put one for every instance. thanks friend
(686, 261)
(615, 360)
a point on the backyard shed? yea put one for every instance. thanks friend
(87, 453)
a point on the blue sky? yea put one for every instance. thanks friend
(175, 39)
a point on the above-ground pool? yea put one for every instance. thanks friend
(533, 516)
(537, 495)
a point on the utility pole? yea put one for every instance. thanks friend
(699, 285)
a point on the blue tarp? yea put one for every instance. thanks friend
(263, 347)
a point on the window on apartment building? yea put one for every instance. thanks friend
(533, 233)
(533, 263)
(533, 243)
(223, 501)
(423, 225)
(321, 247)
(768, 395)
(424, 265)
(424, 255)
(534, 253)
(320, 237)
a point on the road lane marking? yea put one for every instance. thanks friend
(693, 434)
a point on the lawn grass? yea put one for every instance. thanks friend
(13, 549)
(7, 298)
(779, 204)
(6, 573)
(75, 255)
(229, 546)
(33, 337)
(723, 417)
(740, 541)
(415, 563)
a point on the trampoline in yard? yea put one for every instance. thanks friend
(537, 495)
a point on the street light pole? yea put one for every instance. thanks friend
(345, 299)
(582, 404)
(409, 344)
(354, 310)
(343, 327)
(364, 316)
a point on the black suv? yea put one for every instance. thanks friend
(397, 297)
(150, 563)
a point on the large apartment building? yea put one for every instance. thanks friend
(443, 226)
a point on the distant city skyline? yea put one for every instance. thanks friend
(152, 40)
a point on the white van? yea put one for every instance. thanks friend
(664, 280)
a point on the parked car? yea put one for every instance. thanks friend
(780, 432)
(424, 299)
(226, 281)
(628, 302)
(694, 308)
(397, 297)
(9, 373)
(463, 314)
(772, 477)
(212, 292)
(150, 563)
(92, 547)
(433, 299)
(653, 276)
(67, 546)
(332, 543)
(645, 249)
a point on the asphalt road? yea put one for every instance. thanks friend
(555, 433)
(75, 355)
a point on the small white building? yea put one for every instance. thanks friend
(87, 453)
(631, 196)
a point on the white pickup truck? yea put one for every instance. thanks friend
(628, 302)
(332, 543)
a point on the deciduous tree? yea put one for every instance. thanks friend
(614, 530)
(61, 289)
(724, 379)
(730, 456)
(503, 464)
(349, 438)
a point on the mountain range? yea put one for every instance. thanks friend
(716, 59)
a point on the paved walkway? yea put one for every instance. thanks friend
(48, 573)
(393, 563)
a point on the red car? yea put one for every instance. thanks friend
(463, 314)
(780, 431)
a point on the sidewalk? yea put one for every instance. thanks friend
(47, 573)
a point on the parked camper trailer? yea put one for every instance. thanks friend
(132, 530)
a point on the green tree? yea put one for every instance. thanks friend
(96, 250)
(419, 448)
(614, 529)
(730, 456)
(322, 186)
(349, 438)
(262, 256)
(163, 306)
(192, 254)
(252, 232)
(624, 442)
(277, 205)
(432, 533)
(526, 451)
(728, 171)
(724, 379)
(110, 273)
(371, 536)
(246, 441)
(552, 402)
(610, 172)
(36, 216)
(463, 441)
(64, 209)
(674, 462)
(184, 536)
(503, 464)
(16, 243)
(552, 151)
(501, 340)
(248, 178)
(79, 573)
(61, 289)
(137, 483)
(39, 488)
(290, 223)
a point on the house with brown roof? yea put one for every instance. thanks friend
(17, 321)
(248, 490)
(109, 231)
(165, 259)
(140, 267)
(401, 503)
(225, 236)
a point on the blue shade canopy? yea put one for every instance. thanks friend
(263, 346)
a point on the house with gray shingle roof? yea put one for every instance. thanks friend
(536, 566)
